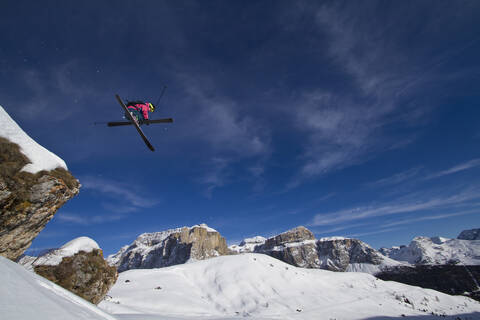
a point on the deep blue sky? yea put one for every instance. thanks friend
(358, 119)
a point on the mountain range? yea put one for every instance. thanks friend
(190, 273)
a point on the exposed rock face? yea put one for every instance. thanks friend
(28, 201)
(473, 234)
(297, 234)
(339, 254)
(78, 266)
(300, 248)
(296, 247)
(176, 246)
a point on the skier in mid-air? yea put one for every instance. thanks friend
(136, 114)
(140, 109)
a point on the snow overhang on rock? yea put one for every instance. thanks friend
(40, 158)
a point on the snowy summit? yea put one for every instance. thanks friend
(40, 158)
(69, 249)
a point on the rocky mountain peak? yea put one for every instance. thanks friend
(473, 234)
(298, 234)
(170, 247)
(343, 254)
(299, 247)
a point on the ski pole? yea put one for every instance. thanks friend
(161, 95)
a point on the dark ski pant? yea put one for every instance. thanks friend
(137, 114)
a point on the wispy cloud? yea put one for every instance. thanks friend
(132, 194)
(84, 220)
(459, 167)
(397, 178)
(47, 92)
(431, 217)
(217, 175)
(369, 233)
(116, 208)
(226, 135)
(349, 126)
(339, 228)
(415, 204)
(217, 120)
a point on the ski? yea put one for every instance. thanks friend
(126, 123)
(135, 123)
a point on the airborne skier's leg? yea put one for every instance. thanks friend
(135, 114)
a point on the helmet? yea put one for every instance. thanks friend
(151, 107)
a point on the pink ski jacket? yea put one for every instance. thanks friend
(141, 107)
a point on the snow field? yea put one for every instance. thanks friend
(258, 286)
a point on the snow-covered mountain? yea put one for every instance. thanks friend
(299, 247)
(26, 296)
(436, 251)
(166, 248)
(261, 287)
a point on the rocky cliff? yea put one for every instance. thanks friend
(296, 247)
(78, 266)
(299, 247)
(34, 184)
(349, 255)
(473, 234)
(166, 248)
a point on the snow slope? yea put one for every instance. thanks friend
(54, 257)
(26, 296)
(261, 287)
(41, 158)
(437, 250)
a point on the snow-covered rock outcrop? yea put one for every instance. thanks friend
(260, 287)
(77, 266)
(34, 184)
(436, 251)
(166, 248)
(25, 295)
